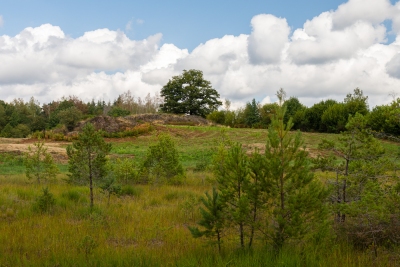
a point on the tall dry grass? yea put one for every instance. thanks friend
(147, 227)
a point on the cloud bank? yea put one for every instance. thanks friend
(328, 57)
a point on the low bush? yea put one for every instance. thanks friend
(129, 190)
(73, 196)
(45, 202)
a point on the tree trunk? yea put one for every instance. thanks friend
(241, 235)
(252, 227)
(241, 229)
(338, 196)
(219, 240)
(344, 198)
(346, 173)
(90, 180)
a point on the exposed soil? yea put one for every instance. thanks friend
(20, 146)
(109, 124)
(313, 153)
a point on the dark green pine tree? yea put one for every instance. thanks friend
(212, 219)
(356, 158)
(252, 113)
(87, 158)
(297, 199)
(232, 174)
(257, 188)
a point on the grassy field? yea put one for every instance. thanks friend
(198, 143)
(146, 225)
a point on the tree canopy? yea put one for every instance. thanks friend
(190, 93)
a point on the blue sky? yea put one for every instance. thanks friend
(183, 23)
(314, 49)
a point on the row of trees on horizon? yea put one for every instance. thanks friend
(327, 116)
(19, 118)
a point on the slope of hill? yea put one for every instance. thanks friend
(118, 124)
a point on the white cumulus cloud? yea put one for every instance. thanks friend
(372, 11)
(317, 42)
(217, 55)
(393, 66)
(332, 54)
(43, 62)
(396, 18)
(267, 39)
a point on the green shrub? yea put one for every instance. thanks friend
(124, 170)
(204, 162)
(217, 116)
(45, 202)
(87, 245)
(118, 112)
(25, 194)
(177, 180)
(172, 195)
(70, 117)
(39, 163)
(155, 202)
(73, 195)
(110, 187)
(128, 190)
(162, 163)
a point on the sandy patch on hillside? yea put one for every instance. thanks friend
(313, 153)
(20, 146)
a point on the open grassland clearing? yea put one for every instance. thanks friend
(147, 224)
(195, 144)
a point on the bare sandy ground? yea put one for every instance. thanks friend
(313, 153)
(20, 146)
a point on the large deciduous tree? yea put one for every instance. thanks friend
(87, 158)
(189, 93)
(386, 118)
(356, 103)
(314, 114)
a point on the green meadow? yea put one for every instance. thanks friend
(147, 225)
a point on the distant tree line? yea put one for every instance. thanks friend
(19, 118)
(328, 116)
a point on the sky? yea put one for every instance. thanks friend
(315, 50)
